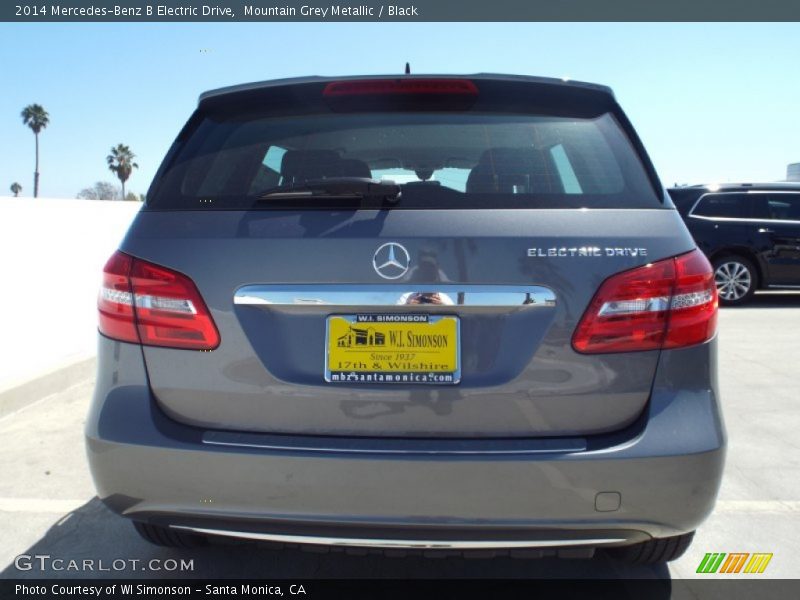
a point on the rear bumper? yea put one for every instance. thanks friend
(655, 480)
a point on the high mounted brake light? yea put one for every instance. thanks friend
(384, 87)
(671, 303)
(141, 302)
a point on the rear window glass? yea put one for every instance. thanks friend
(441, 160)
(730, 206)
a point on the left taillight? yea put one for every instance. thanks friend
(149, 304)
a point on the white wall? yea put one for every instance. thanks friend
(52, 252)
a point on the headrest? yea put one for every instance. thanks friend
(304, 165)
(513, 170)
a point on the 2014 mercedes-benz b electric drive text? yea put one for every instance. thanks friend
(446, 312)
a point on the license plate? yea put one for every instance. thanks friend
(393, 348)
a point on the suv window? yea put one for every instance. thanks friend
(441, 160)
(728, 206)
(785, 207)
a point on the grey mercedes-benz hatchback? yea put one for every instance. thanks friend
(420, 312)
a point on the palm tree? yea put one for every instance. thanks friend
(120, 161)
(16, 189)
(35, 117)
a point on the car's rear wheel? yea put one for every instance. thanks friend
(171, 538)
(736, 278)
(653, 551)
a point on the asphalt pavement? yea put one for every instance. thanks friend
(48, 507)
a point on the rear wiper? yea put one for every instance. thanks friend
(335, 188)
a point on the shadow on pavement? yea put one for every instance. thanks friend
(93, 532)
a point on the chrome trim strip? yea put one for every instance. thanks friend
(762, 192)
(741, 219)
(738, 220)
(400, 543)
(383, 295)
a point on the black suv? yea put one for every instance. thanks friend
(749, 231)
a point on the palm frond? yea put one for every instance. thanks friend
(120, 162)
(35, 117)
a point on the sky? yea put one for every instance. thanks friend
(713, 102)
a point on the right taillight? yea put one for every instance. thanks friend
(145, 303)
(671, 303)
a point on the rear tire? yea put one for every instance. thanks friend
(653, 551)
(736, 278)
(169, 538)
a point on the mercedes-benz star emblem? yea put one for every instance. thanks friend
(391, 261)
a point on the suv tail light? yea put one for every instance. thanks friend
(671, 303)
(145, 303)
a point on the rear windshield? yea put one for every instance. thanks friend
(441, 160)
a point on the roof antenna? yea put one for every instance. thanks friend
(408, 69)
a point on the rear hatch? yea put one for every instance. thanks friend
(448, 311)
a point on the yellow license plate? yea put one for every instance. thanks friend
(393, 348)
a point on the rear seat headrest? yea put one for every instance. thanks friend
(305, 165)
(504, 170)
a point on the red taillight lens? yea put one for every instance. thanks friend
(667, 304)
(381, 87)
(169, 309)
(693, 311)
(147, 303)
(115, 302)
